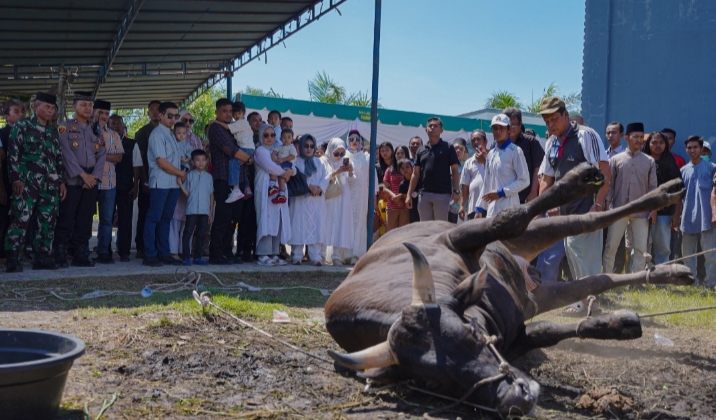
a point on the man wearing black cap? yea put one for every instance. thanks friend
(37, 175)
(633, 176)
(107, 189)
(84, 155)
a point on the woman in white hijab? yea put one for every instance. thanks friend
(338, 221)
(272, 220)
(359, 195)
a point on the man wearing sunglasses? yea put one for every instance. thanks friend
(164, 171)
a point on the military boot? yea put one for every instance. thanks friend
(80, 259)
(61, 256)
(43, 261)
(12, 265)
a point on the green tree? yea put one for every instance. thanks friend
(134, 119)
(260, 92)
(573, 100)
(502, 99)
(204, 107)
(324, 89)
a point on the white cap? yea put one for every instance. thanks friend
(501, 119)
(707, 145)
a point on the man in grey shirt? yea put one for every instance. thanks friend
(164, 162)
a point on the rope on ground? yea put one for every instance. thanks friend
(204, 299)
(185, 279)
(690, 256)
(679, 311)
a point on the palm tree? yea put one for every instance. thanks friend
(359, 98)
(573, 101)
(502, 99)
(260, 92)
(324, 89)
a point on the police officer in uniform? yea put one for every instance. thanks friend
(84, 155)
(37, 175)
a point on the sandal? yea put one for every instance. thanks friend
(267, 261)
(278, 261)
(579, 310)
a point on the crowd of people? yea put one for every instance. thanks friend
(251, 190)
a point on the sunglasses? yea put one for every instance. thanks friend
(189, 121)
(339, 154)
(354, 139)
(270, 135)
(171, 116)
(309, 146)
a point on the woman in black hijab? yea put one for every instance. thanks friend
(667, 218)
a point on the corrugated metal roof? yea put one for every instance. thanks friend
(132, 51)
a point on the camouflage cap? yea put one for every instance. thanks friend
(551, 105)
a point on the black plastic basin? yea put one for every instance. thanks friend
(33, 371)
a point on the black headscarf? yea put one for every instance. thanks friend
(666, 168)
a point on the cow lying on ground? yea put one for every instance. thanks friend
(472, 282)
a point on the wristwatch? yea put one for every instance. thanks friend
(456, 191)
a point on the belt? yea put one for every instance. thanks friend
(88, 170)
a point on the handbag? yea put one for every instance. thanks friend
(334, 188)
(297, 185)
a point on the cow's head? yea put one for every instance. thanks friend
(433, 341)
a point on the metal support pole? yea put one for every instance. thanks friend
(373, 122)
(229, 88)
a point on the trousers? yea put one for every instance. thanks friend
(198, 222)
(689, 245)
(125, 212)
(35, 197)
(156, 228)
(639, 228)
(74, 226)
(434, 206)
(584, 254)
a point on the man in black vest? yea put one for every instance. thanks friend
(127, 187)
(570, 145)
(141, 137)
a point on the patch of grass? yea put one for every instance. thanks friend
(654, 299)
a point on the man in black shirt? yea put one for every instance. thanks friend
(127, 189)
(531, 148)
(141, 137)
(436, 163)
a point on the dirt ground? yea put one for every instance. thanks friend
(172, 363)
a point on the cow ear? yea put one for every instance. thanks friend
(469, 292)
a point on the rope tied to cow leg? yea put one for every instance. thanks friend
(591, 299)
(649, 265)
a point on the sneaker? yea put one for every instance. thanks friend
(235, 195)
(248, 193)
(124, 258)
(266, 260)
(186, 261)
(104, 258)
(152, 262)
(169, 261)
(279, 199)
(279, 261)
(199, 261)
(272, 190)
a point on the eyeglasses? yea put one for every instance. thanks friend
(187, 121)
(270, 135)
(171, 116)
(339, 154)
(309, 146)
(354, 139)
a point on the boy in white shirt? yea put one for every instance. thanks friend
(284, 155)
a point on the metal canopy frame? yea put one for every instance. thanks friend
(132, 51)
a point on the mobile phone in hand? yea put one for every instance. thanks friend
(345, 161)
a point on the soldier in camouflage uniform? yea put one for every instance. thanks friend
(37, 174)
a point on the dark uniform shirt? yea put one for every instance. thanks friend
(534, 153)
(34, 155)
(83, 150)
(141, 137)
(435, 162)
(125, 169)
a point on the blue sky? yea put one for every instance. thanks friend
(436, 57)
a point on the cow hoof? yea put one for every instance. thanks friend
(618, 325)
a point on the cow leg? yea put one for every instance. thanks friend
(511, 222)
(618, 325)
(552, 295)
(543, 233)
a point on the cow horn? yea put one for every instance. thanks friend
(423, 285)
(377, 356)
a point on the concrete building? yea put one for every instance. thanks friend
(651, 61)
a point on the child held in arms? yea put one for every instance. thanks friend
(180, 133)
(241, 130)
(274, 118)
(285, 155)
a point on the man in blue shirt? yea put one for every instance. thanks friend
(697, 217)
(164, 162)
